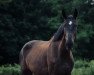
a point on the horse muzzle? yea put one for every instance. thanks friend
(69, 43)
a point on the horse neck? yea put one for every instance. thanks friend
(59, 50)
(58, 44)
(62, 52)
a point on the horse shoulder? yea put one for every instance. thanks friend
(37, 57)
(27, 47)
(39, 49)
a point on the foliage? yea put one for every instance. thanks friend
(5, 1)
(81, 67)
(10, 70)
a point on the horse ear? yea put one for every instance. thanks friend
(64, 14)
(75, 13)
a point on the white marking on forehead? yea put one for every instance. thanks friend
(70, 22)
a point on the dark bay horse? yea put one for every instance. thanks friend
(53, 57)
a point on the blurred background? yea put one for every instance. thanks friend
(25, 20)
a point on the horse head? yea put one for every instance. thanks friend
(70, 28)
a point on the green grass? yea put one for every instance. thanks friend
(81, 67)
(10, 70)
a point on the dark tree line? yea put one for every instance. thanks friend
(25, 20)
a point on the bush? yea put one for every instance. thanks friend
(81, 67)
(10, 70)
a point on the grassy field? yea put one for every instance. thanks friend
(10, 70)
(81, 67)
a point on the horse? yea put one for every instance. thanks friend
(53, 57)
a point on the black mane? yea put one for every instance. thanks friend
(59, 34)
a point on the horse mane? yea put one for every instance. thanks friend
(59, 34)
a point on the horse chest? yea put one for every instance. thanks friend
(63, 67)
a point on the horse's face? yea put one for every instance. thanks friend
(70, 28)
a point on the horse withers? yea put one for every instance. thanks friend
(53, 57)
